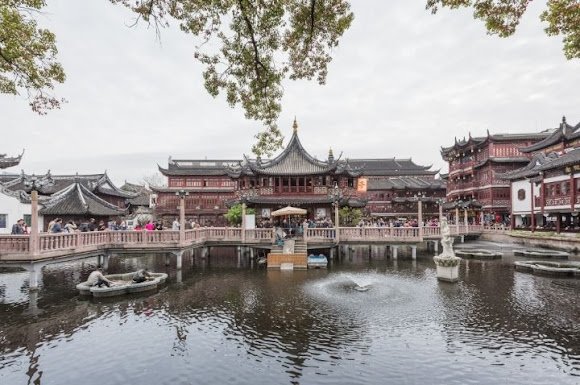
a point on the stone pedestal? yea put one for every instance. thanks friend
(447, 268)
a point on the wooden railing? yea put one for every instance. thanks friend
(53, 244)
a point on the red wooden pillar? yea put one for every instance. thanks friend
(533, 221)
(558, 222)
(572, 191)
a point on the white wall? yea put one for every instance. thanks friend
(521, 206)
(15, 210)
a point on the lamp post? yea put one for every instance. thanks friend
(440, 202)
(34, 183)
(336, 195)
(182, 194)
(420, 214)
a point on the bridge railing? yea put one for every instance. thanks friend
(14, 244)
(321, 234)
(260, 235)
(431, 231)
(50, 242)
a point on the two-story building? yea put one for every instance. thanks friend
(474, 166)
(546, 192)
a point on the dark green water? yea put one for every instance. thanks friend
(224, 322)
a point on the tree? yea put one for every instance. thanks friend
(234, 214)
(156, 180)
(349, 216)
(28, 55)
(501, 17)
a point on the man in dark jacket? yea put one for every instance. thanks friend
(17, 228)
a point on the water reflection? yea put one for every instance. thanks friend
(220, 321)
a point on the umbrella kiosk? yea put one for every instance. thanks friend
(287, 211)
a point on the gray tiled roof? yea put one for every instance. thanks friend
(391, 166)
(293, 160)
(401, 183)
(77, 199)
(477, 141)
(529, 170)
(6, 162)
(564, 132)
(94, 182)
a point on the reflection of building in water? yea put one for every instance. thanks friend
(500, 306)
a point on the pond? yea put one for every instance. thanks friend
(223, 321)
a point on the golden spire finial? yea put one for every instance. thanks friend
(295, 125)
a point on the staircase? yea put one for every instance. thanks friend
(300, 247)
(292, 254)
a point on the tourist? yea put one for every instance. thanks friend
(175, 225)
(123, 226)
(159, 225)
(96, 278)
(92, 224)
(70, 227)
(102, 226)
(17, 228)
(50, 225)
(188, 225)
(57, 226)
(141, 275)
(150, 226)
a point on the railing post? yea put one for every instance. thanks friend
(243, 222)
(420, 218)
(182, 220)
(336, 224)
(34, 236)
(465, 222)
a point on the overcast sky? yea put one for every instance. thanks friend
(403, 83)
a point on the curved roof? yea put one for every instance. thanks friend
(471, 142)
(94, 182)
(402, 183)
(533, 168)
(563, 133)
(293, 160)
(77, 199)
(10, 162)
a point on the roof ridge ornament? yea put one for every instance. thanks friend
(295, 125)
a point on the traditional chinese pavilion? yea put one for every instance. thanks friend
(474, 166)
(296, 178)
(72, 197)
(546, 191)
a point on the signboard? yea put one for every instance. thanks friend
(361, 185)
(250, 221)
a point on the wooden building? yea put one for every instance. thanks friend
(294, 177)
(545, 193)
(474, 166)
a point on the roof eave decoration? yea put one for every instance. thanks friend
(10, 162)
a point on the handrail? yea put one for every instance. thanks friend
(91, 241)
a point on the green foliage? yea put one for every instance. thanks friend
(28, 55)
(501, 17)
(234, 214)
(248, 47)
(349, 216)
